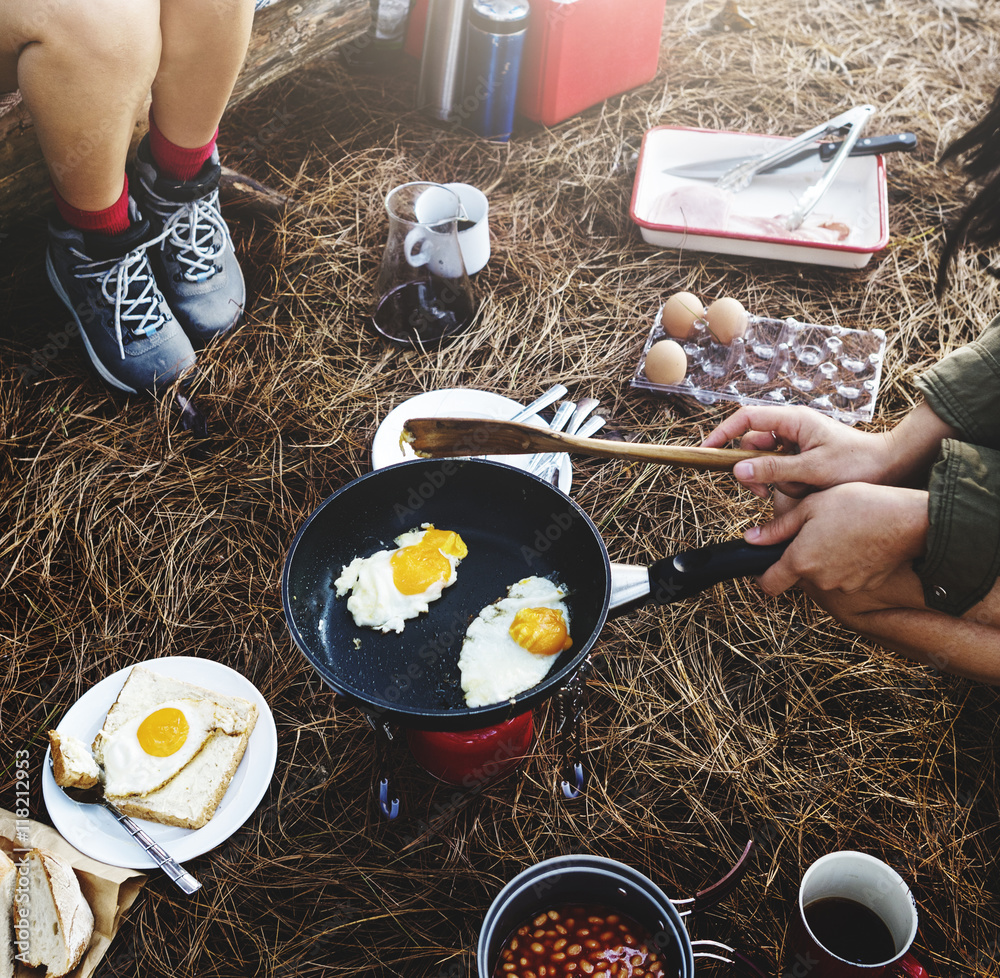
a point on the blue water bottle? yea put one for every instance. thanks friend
(494, 41)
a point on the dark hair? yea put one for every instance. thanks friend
(979, 223)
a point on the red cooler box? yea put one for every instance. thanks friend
(580, 52)
(413, 43)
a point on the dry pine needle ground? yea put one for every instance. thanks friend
(123, 537)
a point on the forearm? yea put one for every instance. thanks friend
(913, 446)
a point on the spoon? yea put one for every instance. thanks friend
(166, 862)
(437, 437)
(583, 408)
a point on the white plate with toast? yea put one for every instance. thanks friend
(95, 832)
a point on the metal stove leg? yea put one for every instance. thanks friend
(569, 712)
(388, 800)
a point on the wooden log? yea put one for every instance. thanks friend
(240, 193)
(286, 35)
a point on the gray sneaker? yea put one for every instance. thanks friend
(109, 287)
(195, 262)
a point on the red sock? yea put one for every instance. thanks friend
(174, 160)
(110, 220)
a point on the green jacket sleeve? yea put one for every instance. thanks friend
(963, 543)
(964, 388)
(962, 561)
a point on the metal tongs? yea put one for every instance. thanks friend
(739, 177)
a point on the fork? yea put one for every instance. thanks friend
(539, 403)
(536, 464)
(560, 420)
(166, 862)
(564, 470)
(554, 462)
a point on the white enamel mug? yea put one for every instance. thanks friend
(474, 228)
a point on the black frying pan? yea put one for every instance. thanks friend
(514, 525)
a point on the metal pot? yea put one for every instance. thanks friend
(585, 879)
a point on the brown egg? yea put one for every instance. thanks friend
(666, 362)
(680, 312)
(727, 319)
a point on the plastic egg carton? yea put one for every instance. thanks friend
(779, 361)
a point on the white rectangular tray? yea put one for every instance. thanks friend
(748, 222)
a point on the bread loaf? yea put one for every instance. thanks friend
(51, 914)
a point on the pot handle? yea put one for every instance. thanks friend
(718, 891)
(692, 571)
(742, 964)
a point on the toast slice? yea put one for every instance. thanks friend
(52, 913)
(191, 796)
(8, 875)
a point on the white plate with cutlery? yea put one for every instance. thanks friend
(452, 402)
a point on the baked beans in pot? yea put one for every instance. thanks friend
(623, 904)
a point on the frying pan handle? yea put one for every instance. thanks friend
(572, 790)
(692, 571)
(569, 710)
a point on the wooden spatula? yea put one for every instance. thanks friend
(444, 437)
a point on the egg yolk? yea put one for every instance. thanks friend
(163, 732)
(447, 541)
(416, 568)
(540, 630)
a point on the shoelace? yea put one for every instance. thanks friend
(192, 227)
(134, 292)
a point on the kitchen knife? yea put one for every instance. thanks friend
(869, 146)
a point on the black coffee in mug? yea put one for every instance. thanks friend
(850, 930)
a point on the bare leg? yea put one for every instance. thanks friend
(204, 44)
(84, 68)
(897, 618)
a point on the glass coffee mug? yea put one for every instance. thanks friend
(423, 293)
(856, 918)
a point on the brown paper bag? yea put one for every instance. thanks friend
(110, 890)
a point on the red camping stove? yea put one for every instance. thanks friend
(473, 757)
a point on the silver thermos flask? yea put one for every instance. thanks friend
(493, 45)
(441, 62)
